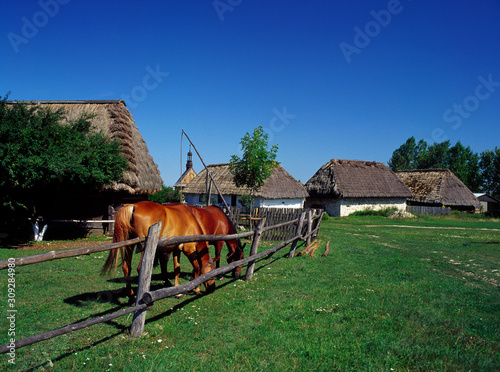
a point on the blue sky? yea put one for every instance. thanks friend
(326, 79)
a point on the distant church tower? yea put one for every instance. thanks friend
(187, 176)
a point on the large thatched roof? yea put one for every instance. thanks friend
(438, 186)
(115, 121)
(280, 185)
(356, 179)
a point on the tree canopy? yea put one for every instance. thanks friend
(257, 162)
(40, 156)
(477, 172)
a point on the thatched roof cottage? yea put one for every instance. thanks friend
(280, 190)
(341, 187)
(141, 179)
(438, 187)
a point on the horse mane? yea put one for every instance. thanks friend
(123, 225)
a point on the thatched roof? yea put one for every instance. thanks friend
(280, 185)
(115, 121)
(356, 179)
(438, 186)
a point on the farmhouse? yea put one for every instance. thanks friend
(280, 191)
(342, 187)
(142, 178)
(438, 188)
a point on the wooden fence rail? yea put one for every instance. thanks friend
(145, 298)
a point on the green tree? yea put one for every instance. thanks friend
(410, 155)
(256, 163)
(41, 158)
(165, 195)
(464, 163)
(490, 169)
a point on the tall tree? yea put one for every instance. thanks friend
(409, 155)
(257, 162)
(490, 170)
(40, 157)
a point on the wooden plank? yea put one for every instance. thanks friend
(137, 328)
(299, 233)
(54, 255)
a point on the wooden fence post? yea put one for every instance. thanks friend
(139, 319)
(255, 246)
(298, 233)
(309, 227)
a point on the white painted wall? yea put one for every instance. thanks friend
(344, 207)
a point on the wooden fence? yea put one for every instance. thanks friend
(273, 216)
(425, 209)
(308, 222)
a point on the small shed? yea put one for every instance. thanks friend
(281, 190)
(489, 204)
(141, 179)
(438, 188)
(342, 187)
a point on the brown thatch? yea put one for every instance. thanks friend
(438, 186)
(280, 185)
(115, 121)
(356, 179)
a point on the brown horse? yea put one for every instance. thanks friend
(213, 221)
(134, 220)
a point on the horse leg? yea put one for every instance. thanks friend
(164, 257)
(177, 268)
(234, 254)
(126, 265)
(218, 250)
(205, 263)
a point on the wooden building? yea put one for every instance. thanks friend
(186, 177)
(342, 187)
(438, 188)
(141, 179)
(281, 190)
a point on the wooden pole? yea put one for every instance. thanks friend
(298, 233)
(208, 173)
(309, 227)
(255, 246)
(137, 328)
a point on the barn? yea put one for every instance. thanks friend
(438, 188)
(342, 187)
(489, 204)
(281, 190)
(141, 179)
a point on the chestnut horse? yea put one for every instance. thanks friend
(213, 221)
(134, 220)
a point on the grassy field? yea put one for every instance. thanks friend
(404, 295)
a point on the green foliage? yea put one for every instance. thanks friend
(257, 162)
(246, 200)
(166, 195)
(385, 212)
(40, 155)
(477, 172)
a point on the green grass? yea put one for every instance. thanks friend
(386, 298)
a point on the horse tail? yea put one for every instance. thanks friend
(123, 226)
